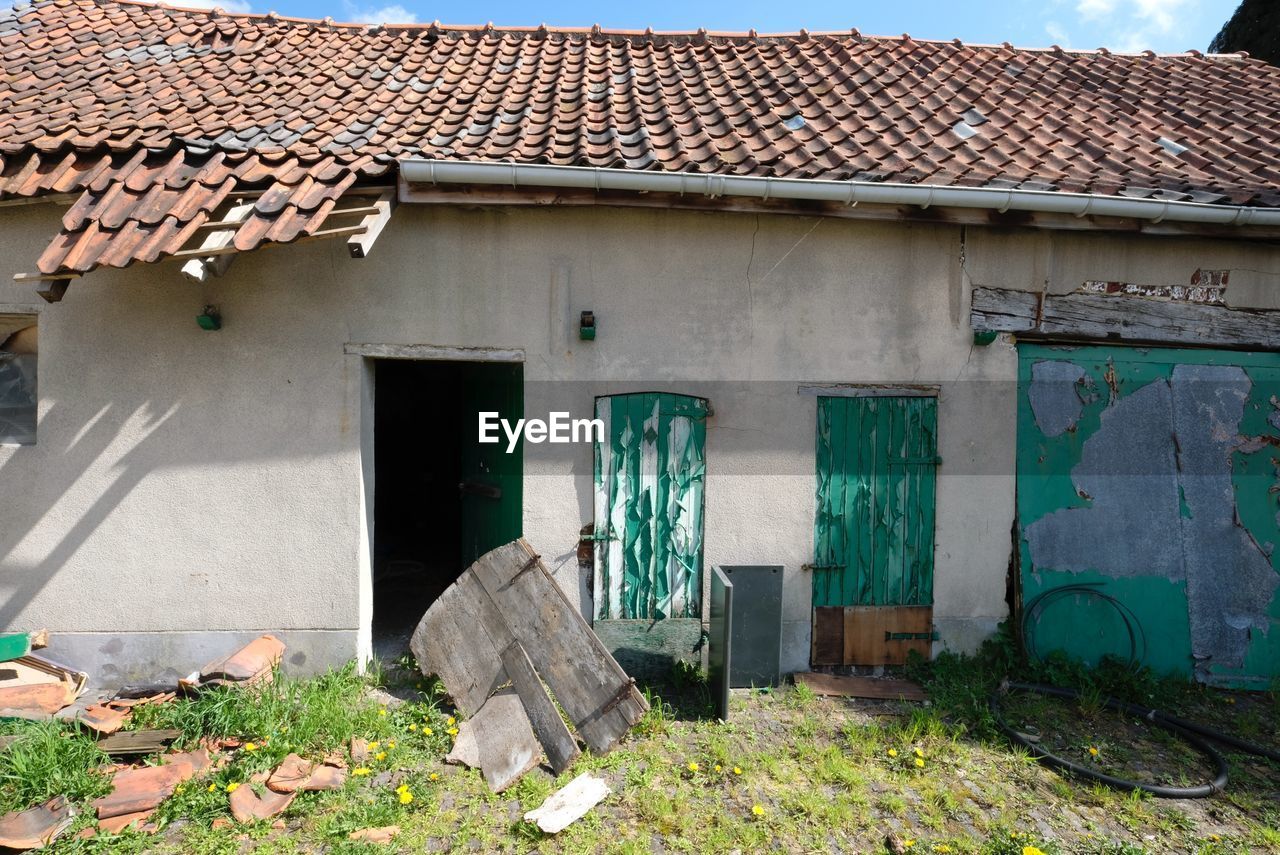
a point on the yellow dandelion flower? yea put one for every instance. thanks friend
(391, 744)
(1093, 752)
(381, 755)
(453, 731)
(360, 772)
(232, 787)
(942, 848)
(426, 731)
(435, 776)
(692, 766)
(1215, 837)
(249, 746)
(893, 752)
(919, 762)
(402, 788)
(406, 797)
(908, 843)
(1032, 850)
(919, 753)
(757, 810)
(373, 746)
(450, 720)
(211, 788)
(382, 712)
(412, 727)
(719, 768)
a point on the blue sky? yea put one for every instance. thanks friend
(1129, 25)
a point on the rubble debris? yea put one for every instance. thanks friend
(294, 774)
(137, 742)
(359, 749)
(880, 688)
(142, 788)
(569, 804)
(507, 597)
(385, 834)
(498, 740)
(35, 827)
(109, 716)
(250, 664)
(32, 686)
(247, 805)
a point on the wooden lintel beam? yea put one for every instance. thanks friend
(374, 222)
(56, 291)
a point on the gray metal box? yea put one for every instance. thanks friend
(755, 624)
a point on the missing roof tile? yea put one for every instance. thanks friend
(1170, 146)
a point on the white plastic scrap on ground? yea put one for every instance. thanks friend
(569, 804)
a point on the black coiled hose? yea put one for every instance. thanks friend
(1196, 735)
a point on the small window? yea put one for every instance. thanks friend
(18, 350)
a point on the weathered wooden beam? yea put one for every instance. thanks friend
(56, 291)
(1123, 318)
(550, 729)
(360, 244)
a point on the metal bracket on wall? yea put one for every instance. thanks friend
(911, 636)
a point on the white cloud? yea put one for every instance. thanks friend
(393, 14)
(1094, 9)
(1161, 14)
(1058, 33)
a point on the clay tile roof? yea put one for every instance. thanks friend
(156, 115)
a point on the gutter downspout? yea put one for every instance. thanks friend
(521, 175)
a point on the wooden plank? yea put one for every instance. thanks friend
(201, 269)
(598, 695)
(562, 749)
(861, 687)
(133, 742)
(1124, 318)
(828, 636)
(374, 222)
(499, 741)
(865, 628)
(460, 639)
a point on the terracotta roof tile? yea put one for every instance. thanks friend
(156, 115)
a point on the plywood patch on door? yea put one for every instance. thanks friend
(871, 635)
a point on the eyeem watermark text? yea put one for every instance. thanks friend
(558, 428)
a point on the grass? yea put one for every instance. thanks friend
(790, 771)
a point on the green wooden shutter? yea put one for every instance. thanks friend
(873, 533)
(648, 506)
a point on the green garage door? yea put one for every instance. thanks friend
(1149, 507)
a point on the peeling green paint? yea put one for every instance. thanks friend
(1164, 492)
(874, 528)
(649, 475)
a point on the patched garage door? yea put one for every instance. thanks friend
(1149, 507)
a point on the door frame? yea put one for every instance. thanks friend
(358, 369)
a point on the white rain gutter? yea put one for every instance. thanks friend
(525, 176)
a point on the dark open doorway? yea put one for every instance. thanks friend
(441, 498)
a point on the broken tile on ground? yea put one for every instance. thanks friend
(569, 804)
(385, 834)
(35, 687)
(35, 827)
(294, 774)
(117, 824)
(247, 805)
(876, 688)
(250, 664)
(142, 788)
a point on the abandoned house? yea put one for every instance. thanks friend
(930, 334)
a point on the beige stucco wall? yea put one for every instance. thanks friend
(189, 484)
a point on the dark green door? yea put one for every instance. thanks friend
(873, 535)
(649, 499)
(491, 486)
